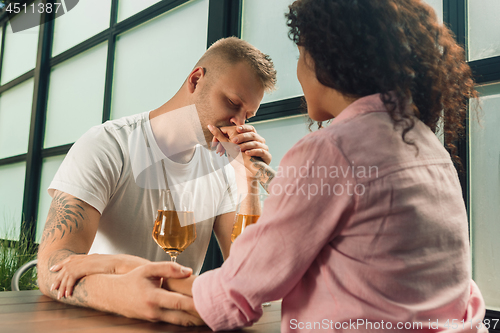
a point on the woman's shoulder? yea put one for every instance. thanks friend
(315, 146)
(318, 137)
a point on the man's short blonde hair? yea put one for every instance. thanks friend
(232, 50)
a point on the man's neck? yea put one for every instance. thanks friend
(177, 129)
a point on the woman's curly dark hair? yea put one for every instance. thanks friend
(363, 47)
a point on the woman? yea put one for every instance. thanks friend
(376, 229)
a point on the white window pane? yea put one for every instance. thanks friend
(76, 96)
(264, 26)
(127, 8)
(86, 19)
(153, 60)
(15, 118)
(484, 29)
(11, 199)
(49, 169)
(19, 51)
(438, 8)
(281, 134)
(485, 195)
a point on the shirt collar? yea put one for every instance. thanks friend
(370, 103)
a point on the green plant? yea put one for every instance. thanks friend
(14, 254)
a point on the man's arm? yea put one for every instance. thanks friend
(223, 227)
(70, 230)
(262, 172)
(74, 267)
(68, 235)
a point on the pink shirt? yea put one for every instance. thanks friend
(358, 228)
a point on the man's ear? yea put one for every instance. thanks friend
(194, 78)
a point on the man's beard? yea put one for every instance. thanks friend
(203, 114)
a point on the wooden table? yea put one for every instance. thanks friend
(30, 311)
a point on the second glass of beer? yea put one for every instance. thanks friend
(248, 211)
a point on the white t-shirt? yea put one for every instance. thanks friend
(106, 168)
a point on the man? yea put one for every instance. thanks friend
(104, 199)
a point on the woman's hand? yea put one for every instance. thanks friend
(180, 285)
(73, 268)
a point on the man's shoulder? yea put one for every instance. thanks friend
(114, 130)
(110, 135)
(127, 123)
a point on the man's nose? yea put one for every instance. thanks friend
(238, 120)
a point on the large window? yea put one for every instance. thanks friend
(85, 67)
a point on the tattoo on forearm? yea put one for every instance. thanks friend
(80, 294)
(66, 215)
(59, 256)
(264, 172)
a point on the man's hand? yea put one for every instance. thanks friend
(74, 267)
(138, 294)
(247, 139)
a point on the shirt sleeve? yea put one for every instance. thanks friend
(300, 217)
(91, 169)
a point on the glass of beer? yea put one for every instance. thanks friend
(175, 228)
(248, 212)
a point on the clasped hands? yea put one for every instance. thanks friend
(139, 288)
